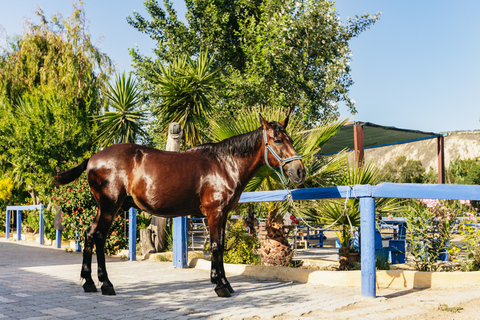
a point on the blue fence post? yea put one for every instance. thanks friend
(19, 225)
(132, 234)
(78, 247)
(7, 225)
(42, 227)
(180, 249)
(367, 246)
(58, 239)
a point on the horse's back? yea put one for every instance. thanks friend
(160, 182)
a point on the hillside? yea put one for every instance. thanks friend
(459, 144)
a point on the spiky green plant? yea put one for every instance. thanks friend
(185, 87)
(344, 215)
(124, 124)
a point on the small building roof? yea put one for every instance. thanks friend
(375, 136)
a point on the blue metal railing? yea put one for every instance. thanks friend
(365, 193)
(19, 209)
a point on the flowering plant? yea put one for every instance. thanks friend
(432, 225)
(79, 210)
(294, 220)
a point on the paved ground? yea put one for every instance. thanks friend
(43, 283)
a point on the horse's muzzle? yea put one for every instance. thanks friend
(296, 172)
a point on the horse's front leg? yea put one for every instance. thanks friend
(217, 273)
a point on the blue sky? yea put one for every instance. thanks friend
(416, 68)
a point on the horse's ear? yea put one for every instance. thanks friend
(264, 122)
(284, 123)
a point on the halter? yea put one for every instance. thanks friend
(283, 162)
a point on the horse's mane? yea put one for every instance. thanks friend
(241, 145)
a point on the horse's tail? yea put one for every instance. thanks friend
(70, 175)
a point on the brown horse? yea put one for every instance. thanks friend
(206, 180)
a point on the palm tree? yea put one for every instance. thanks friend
(185, 88)
(307, 143)
(125, 123)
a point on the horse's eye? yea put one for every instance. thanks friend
(278, 141)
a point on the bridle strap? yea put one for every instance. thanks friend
(282, 162)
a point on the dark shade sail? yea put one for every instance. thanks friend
(374, 136)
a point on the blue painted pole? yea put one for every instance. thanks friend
(132, 234)
(42, 227)
(58, 239)
(7, 225)
(78, 247)
(180, 245)
(19, 225)
(367, 246)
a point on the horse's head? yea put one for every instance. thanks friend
(279, 151)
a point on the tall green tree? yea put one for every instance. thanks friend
(288, 53)
(124, 120)
(51, 80)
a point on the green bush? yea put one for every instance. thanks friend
(466, 171)
(79, 210)
(402, 170)
(239, 246)
(431, 225)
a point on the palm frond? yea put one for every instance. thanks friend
(124, 123)
(185, 87)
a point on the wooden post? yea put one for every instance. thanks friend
(441, 159)
(180, 232)
(367, 238)
(153, 237)
(358, 143)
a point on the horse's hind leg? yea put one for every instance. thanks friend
(96, 235)
(89, 285)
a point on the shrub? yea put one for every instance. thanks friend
(79, 210)
(239, 246)
(431, 225)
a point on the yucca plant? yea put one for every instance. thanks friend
(185, 87)
(344, 215)
(124, 122)
(307, 143)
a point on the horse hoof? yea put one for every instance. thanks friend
(89, 287)
(223, 292)
(229, 287)
(108, 291)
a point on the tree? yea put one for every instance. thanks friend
(405, 171)
(185, 88)
(271, 52)
(125, 123)
(51, 81)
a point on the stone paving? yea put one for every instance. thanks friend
(43, 283)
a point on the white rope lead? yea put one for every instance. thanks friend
(292, 204)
